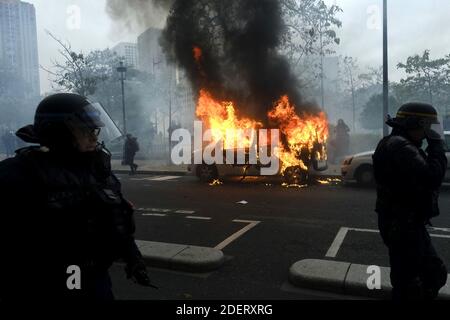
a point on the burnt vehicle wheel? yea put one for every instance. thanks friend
(207, 173)
(295, 175)
(364, 176)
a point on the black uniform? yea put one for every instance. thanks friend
(407, 198)
(64, 218)
(58, 210)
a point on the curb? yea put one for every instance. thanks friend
(344, 278)
(180, 257)
(173, 173)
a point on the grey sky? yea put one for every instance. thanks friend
(415, 25)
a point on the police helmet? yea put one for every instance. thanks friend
(414, 115)
(57, 115)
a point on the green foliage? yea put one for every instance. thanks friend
(427, 80)
(372, 114)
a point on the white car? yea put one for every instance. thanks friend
(359, 167)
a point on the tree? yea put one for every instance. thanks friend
(352, 82)
(94, 75)
(426, 79)
(373, 77)
(373, 111)
(80, 73)
(311, 31)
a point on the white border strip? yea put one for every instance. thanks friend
(155, 214)
(234, 236)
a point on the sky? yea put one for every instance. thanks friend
(414, 25)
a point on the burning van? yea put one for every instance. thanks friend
(300, 141)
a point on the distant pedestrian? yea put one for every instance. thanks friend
(342, 143)
(130, 149)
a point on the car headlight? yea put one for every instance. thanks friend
(348, 161)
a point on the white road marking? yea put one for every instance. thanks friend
(363, 230)
(156, 178)
(332, 252)
(158, 210)
(237, 234)
(166, 210)
(154, 210)
(185, 211)
(155, 214)
(439, 229)
(198, 218)
(339, 239)
(163, 178)
(439, 236)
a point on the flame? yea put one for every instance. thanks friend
(294, 185)
(216, 182)
(304, 133)
(223, 121)
(197, 54)
(331, 181)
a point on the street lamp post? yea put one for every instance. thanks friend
(122, 70)
(385, 70)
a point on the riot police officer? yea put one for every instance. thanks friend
(408, 181)
(64, 218)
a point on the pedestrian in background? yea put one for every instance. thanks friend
(342, 139)
(131, 147)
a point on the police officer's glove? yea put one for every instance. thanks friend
(138, 273)
(433, 135)
(435, 142)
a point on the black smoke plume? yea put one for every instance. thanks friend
(239, 41)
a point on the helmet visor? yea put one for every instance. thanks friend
(93, 116)
(109, 131)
